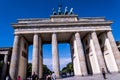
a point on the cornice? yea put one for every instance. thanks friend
(48, 24)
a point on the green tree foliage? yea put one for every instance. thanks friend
(29, 69)
(64, 70)
(46, 71)
(68, 69)
(1, 64)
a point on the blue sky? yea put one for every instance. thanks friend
(11, 10)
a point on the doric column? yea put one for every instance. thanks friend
(4, 65)
(23, 58)
(35, 57)
(71, 49)
(15, 58)
(81, 54)
(40, 59)
(98, 51)
(114, 48)
(55, 56)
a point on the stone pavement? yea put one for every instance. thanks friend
(113, 76)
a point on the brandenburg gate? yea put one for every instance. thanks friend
(92, 44)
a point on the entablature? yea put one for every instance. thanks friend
(56, 24)
(61, 29)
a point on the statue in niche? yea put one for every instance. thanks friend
(66, 10)
(59, 10)
(54, 11)
(71, 11)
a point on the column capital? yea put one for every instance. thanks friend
(18, 35)
(54, 32)
(92, 32)
(35, 34)
(39, 35)
(77, 33)
(105, 32)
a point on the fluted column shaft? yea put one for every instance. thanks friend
(35, 57)
(55, 56)
(98, 51)
(40, 59)
(4, 65)
(81, 54)
(114, 48)
(15, 58)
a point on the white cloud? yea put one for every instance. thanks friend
(29, 61)
(63, 62)
(47, 61)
